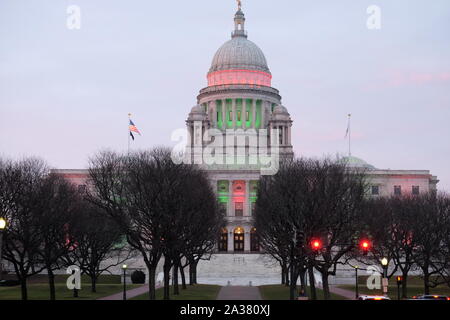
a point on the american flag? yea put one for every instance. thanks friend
(134, 129)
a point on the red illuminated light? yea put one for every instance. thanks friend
(316, 244)
(249, 77)
(365, 245)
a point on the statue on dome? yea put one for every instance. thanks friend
(239, 2)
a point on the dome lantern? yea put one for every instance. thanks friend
(239, 23)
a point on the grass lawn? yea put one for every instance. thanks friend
(415, 287)
(281, 292)
(195, 292)
(39, 290)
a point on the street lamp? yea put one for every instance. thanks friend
(384, 263)
(2, 227)
(356, 283)
(124, 268)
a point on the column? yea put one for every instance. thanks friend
(230, 238)
(224, 113)
(244, 113)
(289, 135)
(254, 113)
(230, 199)
(214, 119)
(247, 239)
(247, 212)
(233, 105)
(263, 113)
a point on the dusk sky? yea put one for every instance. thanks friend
(65, 94)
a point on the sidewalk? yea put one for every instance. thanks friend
(342, 292)
(130, 293)
(239, 293)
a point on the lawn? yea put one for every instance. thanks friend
(281, 292)
(39, 290)
(415, 287)
(195, 292)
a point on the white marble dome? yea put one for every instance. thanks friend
(239, 54)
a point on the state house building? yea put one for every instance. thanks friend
(240, 97)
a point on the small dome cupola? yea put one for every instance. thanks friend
(239, 23)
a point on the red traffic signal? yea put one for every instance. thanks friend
(316, 244)
(365, 245)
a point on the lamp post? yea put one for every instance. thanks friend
(384, 263)
(124, 268)
(356, 283)
(2, 227)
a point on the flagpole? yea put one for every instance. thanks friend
(349, 135)
(129, 118)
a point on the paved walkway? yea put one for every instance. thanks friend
(130, 293)
(342, 292)
(239, 293)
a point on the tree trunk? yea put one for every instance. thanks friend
(283, 273)
(152, 283)
(405, 285)
(183, 278)
(426, 281)
(93, 283)
(312, 283)
(176, 289)
(293, 283)
(302, 275)
(287, 276)
(325, 285)
(194, 272)
(166, 268)
(191, 275)
(23, 288)
(51, 283)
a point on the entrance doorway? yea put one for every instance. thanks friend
(239, 237)
(223, 241)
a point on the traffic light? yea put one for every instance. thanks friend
(316, 244)
(365, 246)
(399, 280)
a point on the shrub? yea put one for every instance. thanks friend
(138, 277)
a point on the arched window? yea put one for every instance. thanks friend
(239, 237)
(254, 240)
(223, 241)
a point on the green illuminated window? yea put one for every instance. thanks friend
(258, 114)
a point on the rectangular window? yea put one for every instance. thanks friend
(416, 190)
(375, 190)
(223, 208)
(397, 190)
(239, 209)
(253, 208)
(239, 116)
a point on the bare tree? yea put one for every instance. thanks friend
(19, 185)
(310, 199)
(55, 214)
(98, 243)
(152, 199)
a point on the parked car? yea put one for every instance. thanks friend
(430, 297)
(373, 298)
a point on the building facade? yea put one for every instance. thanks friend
(239, 104)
